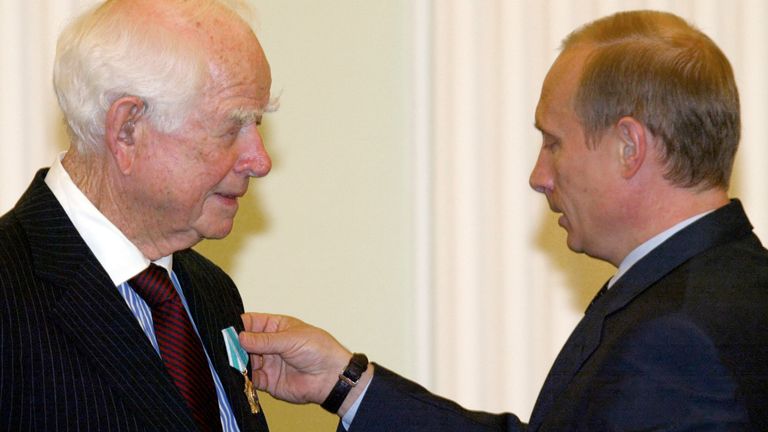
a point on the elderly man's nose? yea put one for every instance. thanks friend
(255, 160)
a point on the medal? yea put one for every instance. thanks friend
(238, 359)
(250, 394)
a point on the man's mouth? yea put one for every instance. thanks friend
(229, 198)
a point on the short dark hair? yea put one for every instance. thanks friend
(662, 71)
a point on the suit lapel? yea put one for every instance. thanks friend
(721, 226)
(202, 292)
(91, 313)
(582, 342)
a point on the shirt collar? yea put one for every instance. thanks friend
(117, 255)
(645, 248)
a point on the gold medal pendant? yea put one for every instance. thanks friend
(238, 359)
(250, 394)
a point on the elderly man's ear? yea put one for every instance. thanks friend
(121, 133)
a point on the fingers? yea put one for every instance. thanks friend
(270, 334)
(260, 379)
(266, 343)
(261, 369)
(262, 322)
(257, 322)
(290, 359)
(257, 361)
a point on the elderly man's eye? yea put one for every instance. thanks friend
(230, 132)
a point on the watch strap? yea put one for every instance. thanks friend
(347, 379)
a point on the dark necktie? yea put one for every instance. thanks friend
(180, 348)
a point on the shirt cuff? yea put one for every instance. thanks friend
(346, 421)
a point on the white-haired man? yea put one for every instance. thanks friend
(109, 322)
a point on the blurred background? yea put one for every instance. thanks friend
(398, 214)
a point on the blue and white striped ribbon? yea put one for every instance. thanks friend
(238, 358)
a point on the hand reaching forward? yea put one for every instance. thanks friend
(295, 361)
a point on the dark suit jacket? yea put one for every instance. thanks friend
(72, 355)
(680, 342)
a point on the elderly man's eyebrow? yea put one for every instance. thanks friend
(245, 116)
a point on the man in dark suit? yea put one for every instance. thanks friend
(640, 123)
(163, 102)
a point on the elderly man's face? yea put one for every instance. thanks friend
(192, 179)
(577, 181)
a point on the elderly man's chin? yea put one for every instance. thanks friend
(216, 221)
(216, 229)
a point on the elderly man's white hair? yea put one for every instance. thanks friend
(113, 50)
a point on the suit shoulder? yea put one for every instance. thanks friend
(20, 288)
(8, 221)
(14, 245)
(734, 274)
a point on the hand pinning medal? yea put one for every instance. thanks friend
(238, 359)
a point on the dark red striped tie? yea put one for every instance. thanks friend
(180, 348)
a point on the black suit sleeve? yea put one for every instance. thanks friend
(393, 403)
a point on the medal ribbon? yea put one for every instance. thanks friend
(238, 358)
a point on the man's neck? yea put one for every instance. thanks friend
(656, 216)
(102, 188)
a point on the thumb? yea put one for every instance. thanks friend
(259, 322)
(265, 343)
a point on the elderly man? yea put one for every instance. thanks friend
(640, 123)
(108, 321)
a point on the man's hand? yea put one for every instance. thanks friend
(295, 361)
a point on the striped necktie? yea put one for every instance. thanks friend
(180, 347)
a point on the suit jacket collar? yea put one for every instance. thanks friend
(721, 226)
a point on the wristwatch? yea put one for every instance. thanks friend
(347, 379)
